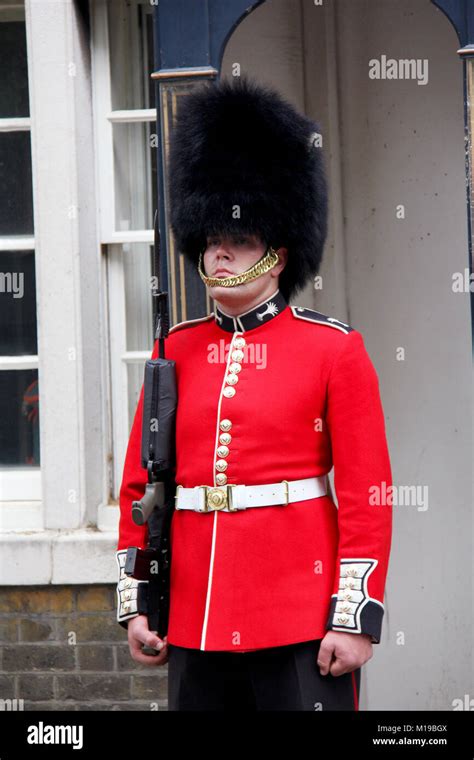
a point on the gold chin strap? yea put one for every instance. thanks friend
(268, 261)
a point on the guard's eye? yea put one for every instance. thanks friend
(241, 240)
(237, 240)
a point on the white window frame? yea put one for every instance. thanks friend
(51, 540)
(59, 539)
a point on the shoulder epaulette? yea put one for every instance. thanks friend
(190, 322)
(310, 315)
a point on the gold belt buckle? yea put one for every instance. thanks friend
(217, 498)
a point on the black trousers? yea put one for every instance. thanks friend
(279, 678)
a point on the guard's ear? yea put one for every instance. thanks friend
(283, 256)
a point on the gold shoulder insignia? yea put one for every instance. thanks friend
(190, 322)
(310, 315)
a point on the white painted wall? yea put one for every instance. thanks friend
(389, 143)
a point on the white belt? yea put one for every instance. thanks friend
(234, 497)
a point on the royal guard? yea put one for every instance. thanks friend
(271, 396)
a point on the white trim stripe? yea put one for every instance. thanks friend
(216, 444)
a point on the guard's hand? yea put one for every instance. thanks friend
(140, 635)
(350, 651)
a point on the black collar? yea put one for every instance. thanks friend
(257, 316)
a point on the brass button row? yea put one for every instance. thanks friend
(232, 378)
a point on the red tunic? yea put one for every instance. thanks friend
(307, 398)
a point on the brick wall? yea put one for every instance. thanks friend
(62, 649)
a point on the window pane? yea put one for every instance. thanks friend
(137, 264)
(135, 374)
(16, 197)
(131, 60)
(19, 418)
(14, 99)
(18, 303)
(135, 175)
(148, 24)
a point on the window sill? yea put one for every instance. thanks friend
(41, 557)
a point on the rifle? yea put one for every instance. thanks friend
(158, 457)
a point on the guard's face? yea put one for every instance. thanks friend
(232, 254)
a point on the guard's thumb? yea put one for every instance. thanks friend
(324, 658)
(154, 641)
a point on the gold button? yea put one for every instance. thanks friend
(127, 594)
(128, 583)
(225, 424)
(235, 367)
(232, 379)
(221, 479)
(126, 606)
(343, 620)
(222, 451)
(228, 391)
(225, 438)
(221, 465)
(237, 355)
(348, 596)
(239, 342)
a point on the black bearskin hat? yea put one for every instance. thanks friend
(244, 160)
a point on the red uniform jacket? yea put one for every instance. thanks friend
(307, 398)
